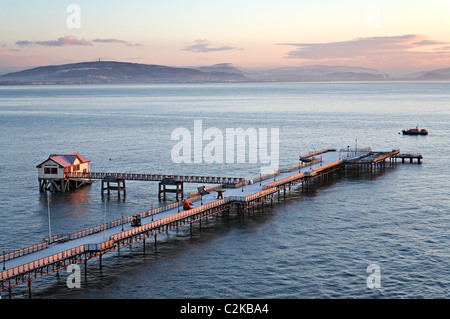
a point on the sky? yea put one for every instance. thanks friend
(391, 36)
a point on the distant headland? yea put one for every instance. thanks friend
(102, 72)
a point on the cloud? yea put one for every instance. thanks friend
(429, 42)
(109, 41)
(60, 42)
(71, 40)
(4, 50)
(443, 48)
(361, 47)
(203, 46)
(411, 51)
(116, 41)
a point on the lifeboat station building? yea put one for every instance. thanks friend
(52, 173)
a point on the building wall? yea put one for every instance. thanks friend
(50, 169)
(82, 166)
(55, 171)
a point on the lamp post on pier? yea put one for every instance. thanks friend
(241, 179)
(104, 224)
(48, 213)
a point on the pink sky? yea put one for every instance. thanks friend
(391, 37)
(403, 53)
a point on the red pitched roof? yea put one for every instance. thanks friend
(61, 161)
(65, 160)
(80, 157)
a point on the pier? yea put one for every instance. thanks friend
(118, 179)
(410, 156)
(58, 252)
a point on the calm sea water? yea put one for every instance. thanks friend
(315, 244)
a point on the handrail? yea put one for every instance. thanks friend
(167, 220)
(324, 167)
(381, 158)
(314, 153)
(156, 177)
(284, 180)
(22, 252)
(41, 262)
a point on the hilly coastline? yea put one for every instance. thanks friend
(101, 72)
(116, 72)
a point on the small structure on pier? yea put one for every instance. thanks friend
(111, 182)
(52, 173)
(175, 187)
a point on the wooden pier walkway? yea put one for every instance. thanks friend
(411, 156)
(156, 177)
(167, 183)
(58, 252)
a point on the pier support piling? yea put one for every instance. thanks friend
(164, 189)
(118, 184)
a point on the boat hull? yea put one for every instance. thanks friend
(414, 133)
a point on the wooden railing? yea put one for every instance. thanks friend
(284, 181)
(157, 177)
(22, 252)
(41, 262)
(328, 166)
(167, 220)
(384, 157)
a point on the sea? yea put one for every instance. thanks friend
(369, 235)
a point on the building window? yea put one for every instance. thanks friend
(76, 167)
(50, 170)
